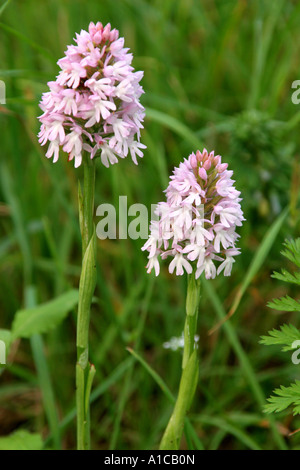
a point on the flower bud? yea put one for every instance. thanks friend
(202, 173)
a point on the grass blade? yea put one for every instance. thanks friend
(242, 357)
(172, 123)
(255, 265)
(165, 389)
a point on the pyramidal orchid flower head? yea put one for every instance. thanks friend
(196, 225)
(93, 105)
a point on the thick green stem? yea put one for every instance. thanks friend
(189, 378)
(85, 371)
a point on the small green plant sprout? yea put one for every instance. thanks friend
(287, 336)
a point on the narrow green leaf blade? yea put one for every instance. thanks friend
(86, 291)
(176, 126)
(259, 259)
(3, 7)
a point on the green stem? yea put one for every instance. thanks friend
(87, 227)
(84, 370)
(190, 368)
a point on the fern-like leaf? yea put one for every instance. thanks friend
(286, 304)
(283, 398)
(285, 276)
(292, 251)
(285, 336)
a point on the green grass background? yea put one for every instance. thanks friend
(217, 74)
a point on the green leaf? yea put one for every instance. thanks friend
(193, 296)
(243, 358)
(292, 251)
(285, 336)
(21, 440)
(285, 276)
(286, 304)
(190, 378)
(286, 396)
(288, 335)
(86, 291)
(258, 260)
(154, 375)
(44, 317)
